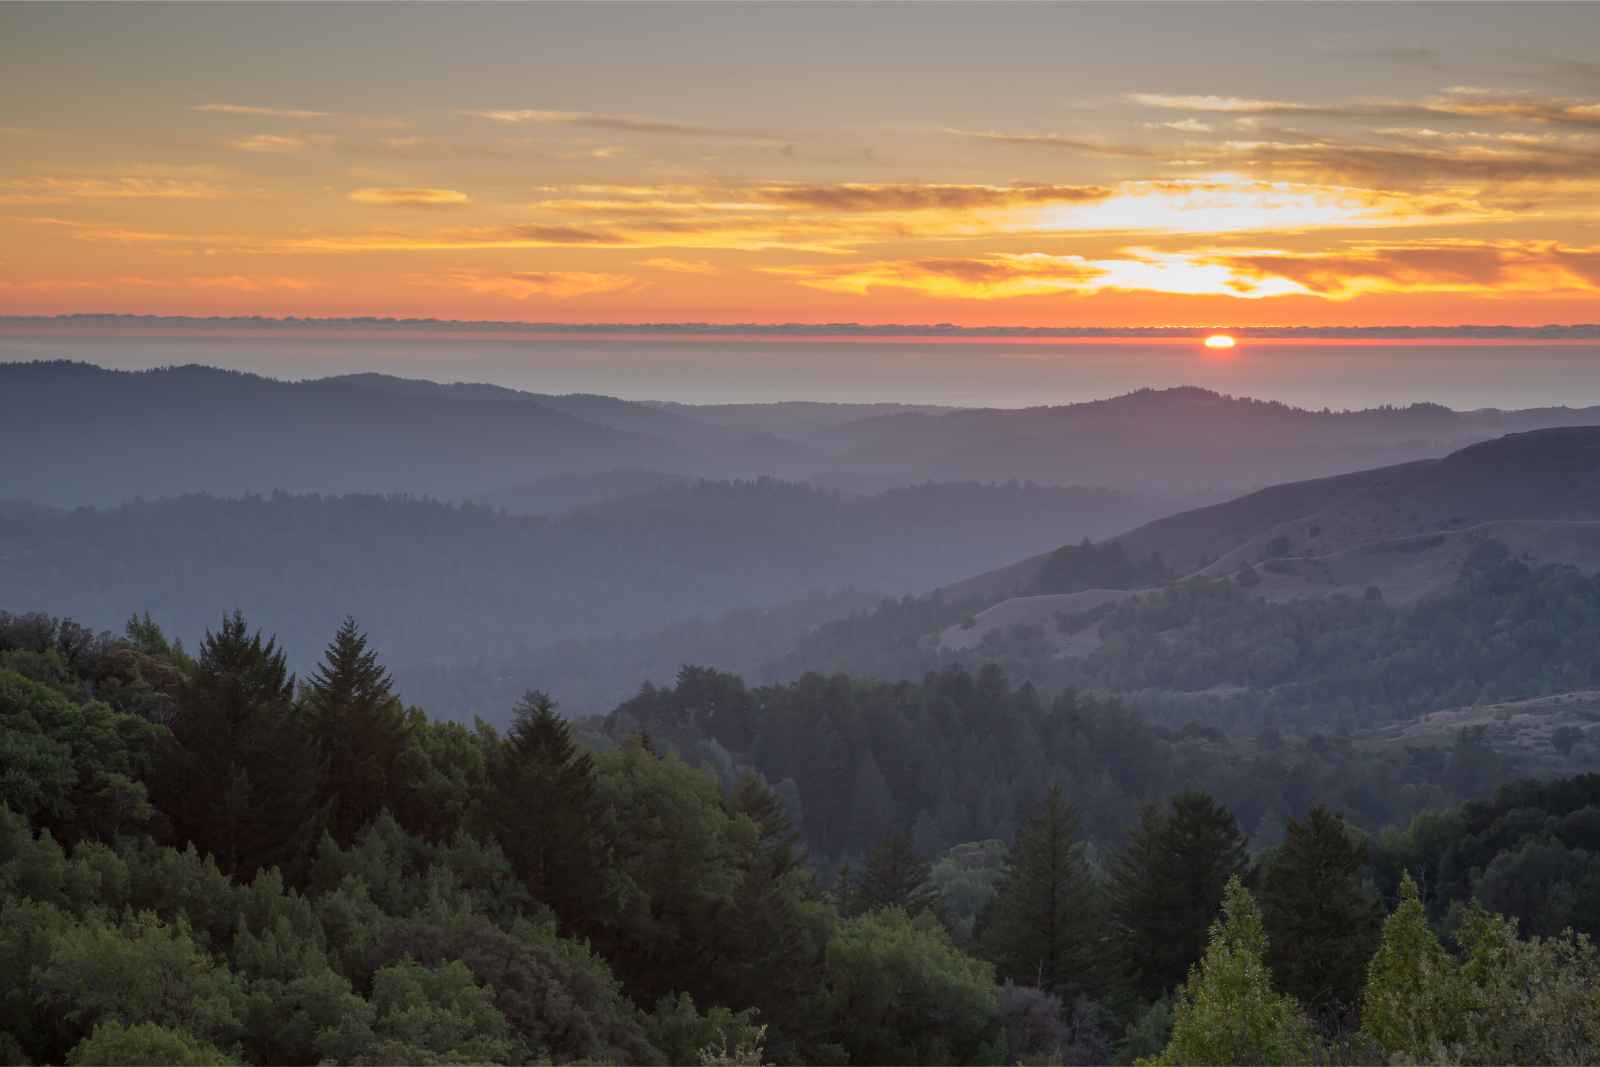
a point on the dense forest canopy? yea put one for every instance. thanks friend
(204, 858)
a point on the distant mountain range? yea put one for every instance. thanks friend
(79, 434)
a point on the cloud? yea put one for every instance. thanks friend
(1493, 269)
(1459, 102)
(272, 142)
(523, 285)
(623, 123)
(409, 197)
(681, 266)
(59, 190)
(1083, 146)
(861, 197)
(261, 112)
(245, 284)
(1480, 268)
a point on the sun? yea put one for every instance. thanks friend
(1219, 340)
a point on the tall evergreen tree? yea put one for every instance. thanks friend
(1166, 888)
(1045, 917)
(240, 780)
(360, 729)
(543, 809)
(1323, 925)
(894, 876)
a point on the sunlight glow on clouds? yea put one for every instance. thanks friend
(1406, 178)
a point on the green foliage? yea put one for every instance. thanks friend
(73, 767)
(1415, 1003)
(898, 991)
(689, 1037)
(1167, 887)
(1045, 922)
(966, 877)
(435, 1016)
(1227, 1012)
(1322, 921)
(115, 1045)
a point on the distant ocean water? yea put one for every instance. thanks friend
(983, 373)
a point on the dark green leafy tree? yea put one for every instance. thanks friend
(360, 729)
(241, 780)
(1322, 924)
(1166, 889)
(1045, 921)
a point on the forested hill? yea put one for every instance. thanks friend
(120, 434)
(78, 434)
(1173, 440)
(461, 585)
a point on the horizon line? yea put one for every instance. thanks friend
(1549, 331)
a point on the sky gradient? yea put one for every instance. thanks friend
(977, 164)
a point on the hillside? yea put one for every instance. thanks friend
(1181, 440)
(119, 435)
(444, 585)
(1354, 599)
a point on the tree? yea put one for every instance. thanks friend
(898, 991)
(1166, 888)
(1227, 1012)
(241, 780)
(360, 730)
(544, 811)
(1415, 1003)
(1322, 923)
(1045, 918)
(114, 1045)
(894, 876)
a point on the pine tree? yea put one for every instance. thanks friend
(1045, 918)
(543, 809)
(241, 778)
(1166, 888)
(1322, 923)
(894, 876)
(1415, 1004)
(360, 729)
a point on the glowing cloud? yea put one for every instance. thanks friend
(409, 197)
(524, 285)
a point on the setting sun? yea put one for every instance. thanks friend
(1219, 340)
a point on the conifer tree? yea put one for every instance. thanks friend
(1045, 919)
(1227, 1011)
(1166, 888)
(360, 729)
(240, 781)
(1322, 923)
(1415, 1004)
(894, 876)
(543, 809)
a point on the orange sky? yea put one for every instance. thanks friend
(1034, 166)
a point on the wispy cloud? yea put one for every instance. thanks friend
(681, 266)
(866, 197)
(261, 112)
(624, 123)
(62, 189)
(275, 142)
(1062, 142)
(524, 285)
(1459, 102)
(392, 196)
